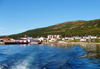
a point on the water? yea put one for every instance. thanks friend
(52, 56)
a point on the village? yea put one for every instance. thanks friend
(50, 38)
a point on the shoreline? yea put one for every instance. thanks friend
(77, 42)
(68, 43)
(61, 42)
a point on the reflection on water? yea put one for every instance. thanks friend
(92, 53)
(51, 56)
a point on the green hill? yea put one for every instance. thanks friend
(71, 28)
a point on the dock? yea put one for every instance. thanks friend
(16, 43)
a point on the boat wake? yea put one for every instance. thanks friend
(24, 62)
(38, 59)
(27, 62)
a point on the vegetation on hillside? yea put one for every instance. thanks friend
(71, 28)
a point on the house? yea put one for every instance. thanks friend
(71, 38)
(52, 40)
(67, 37)
(42, 38)
(54, 36)
(83, 39)
(12, 40)
(21, 40)
(90, 37)
(86, 37)
(50, 36)
(63, 38)
(93, 37)
(76, 37)
(26, 38)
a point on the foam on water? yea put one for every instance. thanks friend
(21, 65)
(47, 57)
(25, 64)
(3, 66)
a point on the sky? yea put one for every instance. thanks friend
(18, 16)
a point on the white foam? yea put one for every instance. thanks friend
(24, 63)
(3, 66)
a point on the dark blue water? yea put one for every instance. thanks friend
(49, 57)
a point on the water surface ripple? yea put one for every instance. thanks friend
(52, 56)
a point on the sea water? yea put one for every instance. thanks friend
(52, 56)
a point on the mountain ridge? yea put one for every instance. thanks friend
(69, 28)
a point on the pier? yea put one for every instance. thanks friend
(16, 43)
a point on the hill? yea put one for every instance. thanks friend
(71, 28)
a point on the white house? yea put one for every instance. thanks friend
(67, 37)
(63, 38)
(26, 38)
(86, 37)
(54, 36)
(93, 37)
(76, 37)
(90, 37)
(71, 38)
(83, 39)
(42, 38)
